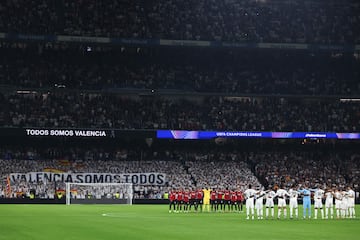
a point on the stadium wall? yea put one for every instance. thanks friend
(62, 201)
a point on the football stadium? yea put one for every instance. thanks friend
(169, 119)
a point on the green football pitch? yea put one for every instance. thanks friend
(44, 222)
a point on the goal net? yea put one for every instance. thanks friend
(101, 193)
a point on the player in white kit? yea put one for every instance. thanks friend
(281, 195)
(269, 203)
(329, 203)
(318, 196)
(351, 202)
(344, 204)
(293, 203)
(250, 196)
(338, 202)
(259, 203)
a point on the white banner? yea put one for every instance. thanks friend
(134, 178)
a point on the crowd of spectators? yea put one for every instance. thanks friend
(221, 170)
(209, 113)
(314, 21)
(75, 160)
(247, 72)
(191, 169)
(180, 174)
(298, 168)
(350, 169)
(54, 70)
(175, 175)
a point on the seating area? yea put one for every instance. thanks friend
(189, 170)
(310, 21)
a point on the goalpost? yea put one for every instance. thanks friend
(99, 193)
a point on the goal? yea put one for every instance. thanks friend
(99, 193)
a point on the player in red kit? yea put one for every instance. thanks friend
(213, 200)
(186, 200)
(172, 202)
(199, 199)
(240, 200)
(180, 200)
(192, 199)
(219, 199)
(227, 200)
(233, 198)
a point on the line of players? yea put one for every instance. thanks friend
(344, 202)
(206, 200)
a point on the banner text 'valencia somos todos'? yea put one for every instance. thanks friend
(134, 178)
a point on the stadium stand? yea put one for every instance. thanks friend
(205, 71)
(293, 168)
(187, 170)
(216, 113)
(47, 83)
(315, 21)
